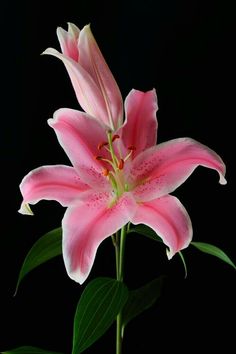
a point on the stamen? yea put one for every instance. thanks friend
(132, 148)
(101, 158)
(102, 144)
(116, 136)
(121, 164)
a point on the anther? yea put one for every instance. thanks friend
(105, 172)
(131, 148)
(116, 136)
(121, 164)
(102, 144)
(98, 157)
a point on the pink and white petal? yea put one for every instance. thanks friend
(162, 184)
(92, 60)
(86, 90)
(86, 225)
(94, 178)
(69, 42)
(163, 168)
(140, 128)
(169, 219)
(60, 183)
(79, 135)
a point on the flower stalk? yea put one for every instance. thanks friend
(119, 244)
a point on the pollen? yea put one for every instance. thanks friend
(121, 164)
(116, 136)
(98, 158)
(132, 148)
(105, 172)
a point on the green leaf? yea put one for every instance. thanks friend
(146, 231)
(100, 303)
(214, 251)
(141, 299)
(184, 264)
(46, 248)
(29, 350)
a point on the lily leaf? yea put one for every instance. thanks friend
(141, 299)
(29, 350)
(44, 249)
(146, 231)
(100, 303)
(214, 251)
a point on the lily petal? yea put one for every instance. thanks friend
(69, 41)
(160, 170)
(86, 225)
(92, 60)
(58, 182)
(169, 219)
(140, 128)
(79, 135)
(87, 92)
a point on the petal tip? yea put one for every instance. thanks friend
(222, 180)
(169, 254)
(25, 209)
(87, 30)
(75, 275)
(73, 29)
(45, 52)
(60, 33)
(51, 121)
(49, 51)
(88, 26)
(60, 29)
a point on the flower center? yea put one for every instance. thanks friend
(116, 162)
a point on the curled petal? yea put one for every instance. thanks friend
(140, 129)
(169, 219)
(86, 225)
(69, 41)
(58, 182)
(92, 60)
(161, 169)
(87, 92)
(79, 135)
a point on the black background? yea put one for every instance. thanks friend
(185, 50)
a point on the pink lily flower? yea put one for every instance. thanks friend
(95, 87)
(116, 179)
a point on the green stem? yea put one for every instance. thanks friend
(119, 334)
(120, 251)
(116, 243)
